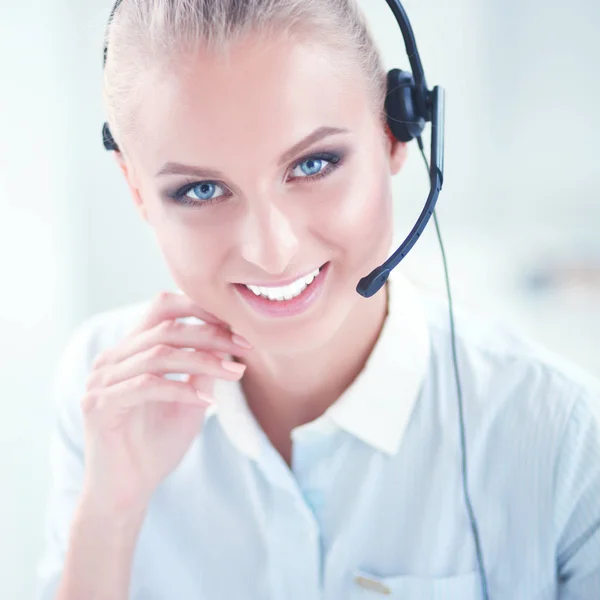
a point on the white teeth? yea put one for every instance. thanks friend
(287, 292)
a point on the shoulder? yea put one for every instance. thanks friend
(91, 337)
(102, 330)
(503, 372)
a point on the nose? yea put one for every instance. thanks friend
(268, 239)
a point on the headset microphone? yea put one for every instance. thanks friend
(409, 105)
(373, 282)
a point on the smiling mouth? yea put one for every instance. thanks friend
(288, 300)
(286, 292)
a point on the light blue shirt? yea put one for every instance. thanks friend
(373, 505)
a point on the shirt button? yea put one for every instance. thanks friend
(373, 585)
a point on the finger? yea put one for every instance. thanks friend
(162, 359)
(170, 305)
(181, 335)
(202, 384)
(141, 390)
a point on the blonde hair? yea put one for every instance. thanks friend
(144, 34)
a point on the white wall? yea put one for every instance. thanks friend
(519, 191)
(37, 293)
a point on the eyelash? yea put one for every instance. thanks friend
(333, 159)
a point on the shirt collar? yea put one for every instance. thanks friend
(377, 406)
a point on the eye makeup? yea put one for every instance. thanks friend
(333, 158)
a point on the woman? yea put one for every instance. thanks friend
(309, 446)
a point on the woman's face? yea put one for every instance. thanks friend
(258, 171)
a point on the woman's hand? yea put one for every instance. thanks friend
(138, 425)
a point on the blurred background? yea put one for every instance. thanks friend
(520, 208)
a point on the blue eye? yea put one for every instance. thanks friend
(199, 193)
(315, 166)
(206, 190)
(311, 166)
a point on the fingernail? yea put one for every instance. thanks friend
(205, 397)
(233, 367)
(238, 340)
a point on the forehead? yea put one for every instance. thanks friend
(265, 94)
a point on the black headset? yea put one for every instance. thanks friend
(409, 106)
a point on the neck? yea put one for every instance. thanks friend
(313, 381)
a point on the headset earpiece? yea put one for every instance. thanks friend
(108, 140)
(401, 106)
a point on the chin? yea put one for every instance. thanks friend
(288, 339)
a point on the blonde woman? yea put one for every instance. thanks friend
(266, 433)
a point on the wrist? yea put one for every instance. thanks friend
(102, 543)
(121, 515)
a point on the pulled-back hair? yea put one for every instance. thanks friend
(145, 34)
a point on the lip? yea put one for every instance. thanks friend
(285, 308)
(280, 283)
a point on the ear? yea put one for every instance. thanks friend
(397, 151)
(131, 183)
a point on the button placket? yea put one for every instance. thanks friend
(292, 534)
(295, 551)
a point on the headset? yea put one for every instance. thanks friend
(409, 106)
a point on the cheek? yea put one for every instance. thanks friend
(361, 220)
(191, 249)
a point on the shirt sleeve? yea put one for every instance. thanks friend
(578, 502)
(66, 457)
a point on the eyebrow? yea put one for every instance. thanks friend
(174, 168)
